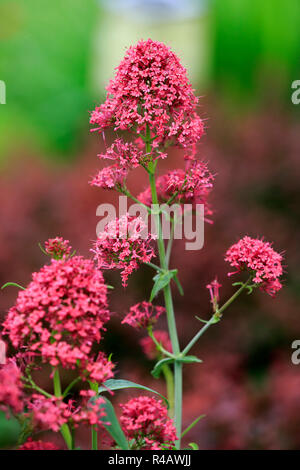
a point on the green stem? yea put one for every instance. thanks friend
(168, 303)
(65, 431)
(198, 335)
(178, 401)
(94, 438)
(70, 386)
(163, 264)
(125, 191)
(152, 265)
(170, 243)
(192, 425)
(31, 384)
(170, 388)
(216, 316)
(94, 387)
(158, 345)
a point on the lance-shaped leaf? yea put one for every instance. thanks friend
(114, 428)
(192, 425)
(121, 384)
(161, 280)
(14, 284)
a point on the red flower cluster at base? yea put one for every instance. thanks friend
(146, 421)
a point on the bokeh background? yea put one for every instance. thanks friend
(242, 57)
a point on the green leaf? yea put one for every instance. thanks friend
(190, 359)
(193, 445)
(192, 425)
(249, 287)
(9, 431)
(177, 282)
(202, 321)
(156, 371)
(14, 284)
(121, 384)
(114, 428)
(42, 250)
(161, 280)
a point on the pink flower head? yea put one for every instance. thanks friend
(100, 370)
(143, 315)
(151, 88)
(192, 186)
(150, 348)
(91, 412)
(49, 413)
(110, 177)
(125, 154)
(61, 314)
(57, 247)
(124, 244)
(37, 445)
(52, 413)
(146, 420)
(214, 288)
(260, 258)
(11, 394)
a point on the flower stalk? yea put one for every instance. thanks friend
(65, 431)
(168, 304)
(215, 317)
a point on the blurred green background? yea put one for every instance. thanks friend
(242, 57)
(56, 57)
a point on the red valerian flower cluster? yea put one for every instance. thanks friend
(126, 156)
(62, 314)
(151, 88)
(100, 369)
(260, 258)
(149, 347)
(57, 247)
(110, 177)
(11, 393)
(124, 244)
(48, 413)
(91, 411)
(143, 315)
(37, 445)
(52, 413)
(192, 186)
(146, 420)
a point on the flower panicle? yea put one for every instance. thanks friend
(258, 257)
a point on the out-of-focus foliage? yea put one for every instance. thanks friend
(255, 48)
(55, 56)
(9, 430)
(44, 61)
